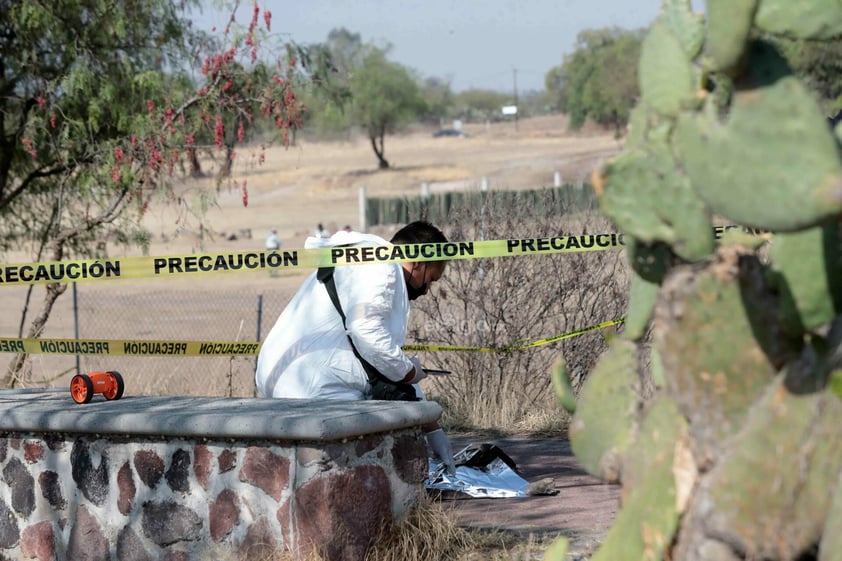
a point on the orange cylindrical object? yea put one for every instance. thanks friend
(103, 382)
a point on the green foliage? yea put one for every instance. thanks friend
(99, 110)
(557, 550)
(738, 453)
(354, 84)
(475, 104)
(65, 109)
(384, 96)
(598, 80)
(324, 80)
(439, 100)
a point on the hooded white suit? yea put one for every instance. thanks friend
(307, 353)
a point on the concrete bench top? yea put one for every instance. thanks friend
(211, 417)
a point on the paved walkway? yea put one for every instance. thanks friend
(583, 509)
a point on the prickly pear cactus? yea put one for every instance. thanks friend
(738, 455)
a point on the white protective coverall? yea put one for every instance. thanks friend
(307, 353)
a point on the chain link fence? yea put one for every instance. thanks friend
(158, 311)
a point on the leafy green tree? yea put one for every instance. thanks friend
(384, 96)
(598, 80)
(324, 80)
(479, 104)
(439, 98)
(100, 102)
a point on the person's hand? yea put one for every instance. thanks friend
(440, 444)
(419, 371)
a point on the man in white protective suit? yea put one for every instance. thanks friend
(312, 353)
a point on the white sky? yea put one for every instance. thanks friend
(472, 43)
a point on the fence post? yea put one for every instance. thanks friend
(557, 179)
(361, 201)
(76, 323)
(259, 334)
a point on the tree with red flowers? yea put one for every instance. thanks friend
(102, 103)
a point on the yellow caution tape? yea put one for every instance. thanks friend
(549, 340)
(516, 346)
(128, 348)
(114, 347)
(244, 261)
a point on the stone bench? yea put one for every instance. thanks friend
(200, 479)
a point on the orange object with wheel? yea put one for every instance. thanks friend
(84, 386)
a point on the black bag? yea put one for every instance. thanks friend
(382, 388)
(480, 456)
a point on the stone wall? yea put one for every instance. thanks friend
(89, 497)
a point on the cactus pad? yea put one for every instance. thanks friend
(812, 19)
(642, 297)
(647, 197)
(715, 331)
(830, 547)
(597, 439)
(768, 495)
(729, 24)
(809, 276)
(648, 519)
(687, 25)
(774, 165)
(560, 376)
(667, 81)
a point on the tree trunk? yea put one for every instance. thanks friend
(225, 171)
(378, 151)
(18, 366)
(195, 166)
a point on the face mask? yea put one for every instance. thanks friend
(411, 291)
(415, 293)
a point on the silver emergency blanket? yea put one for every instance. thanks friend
(495, 480)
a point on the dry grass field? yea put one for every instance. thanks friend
(293, 190)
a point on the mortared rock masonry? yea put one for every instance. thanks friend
(75, 497)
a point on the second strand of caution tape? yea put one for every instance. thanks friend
(113, 347)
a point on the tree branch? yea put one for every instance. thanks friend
(37, 174)
(107, 215)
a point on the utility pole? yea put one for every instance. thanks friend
(514, 82)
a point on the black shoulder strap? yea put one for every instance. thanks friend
(325, 276)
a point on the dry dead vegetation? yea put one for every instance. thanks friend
(430, 532)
